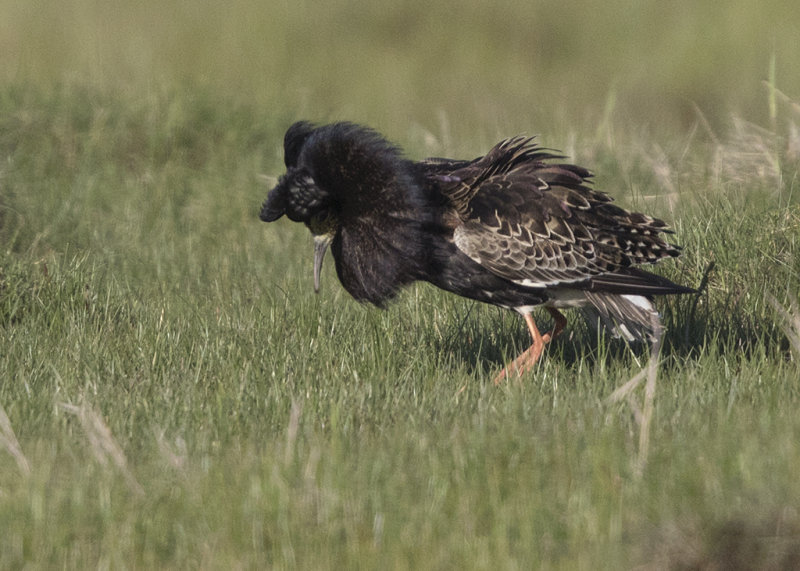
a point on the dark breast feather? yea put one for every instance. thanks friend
(381, 209)
(377, 255)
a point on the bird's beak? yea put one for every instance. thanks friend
(321, 242)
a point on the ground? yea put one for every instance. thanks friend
(174, 394)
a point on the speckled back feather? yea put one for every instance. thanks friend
(538, 223)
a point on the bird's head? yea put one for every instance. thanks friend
(300, 198)
(297, 194)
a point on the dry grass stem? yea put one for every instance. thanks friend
(9, 441)
(791, 322)
(643, 414)
(102, 443)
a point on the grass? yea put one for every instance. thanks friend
(174, 395)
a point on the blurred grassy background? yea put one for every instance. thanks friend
(178, 397)
(504, 66)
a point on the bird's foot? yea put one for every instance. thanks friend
(528, 358)
(521, 364)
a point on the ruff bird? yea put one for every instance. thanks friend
(516, 228)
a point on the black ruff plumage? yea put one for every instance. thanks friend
(514, 228)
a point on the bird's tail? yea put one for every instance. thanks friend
(631, 317)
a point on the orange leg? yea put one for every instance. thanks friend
(559, 323)
(530, 356)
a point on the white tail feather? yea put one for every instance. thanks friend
(631, 317)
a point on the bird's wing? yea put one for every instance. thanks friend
(540, 224)
(520, 229)
(460, 180)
